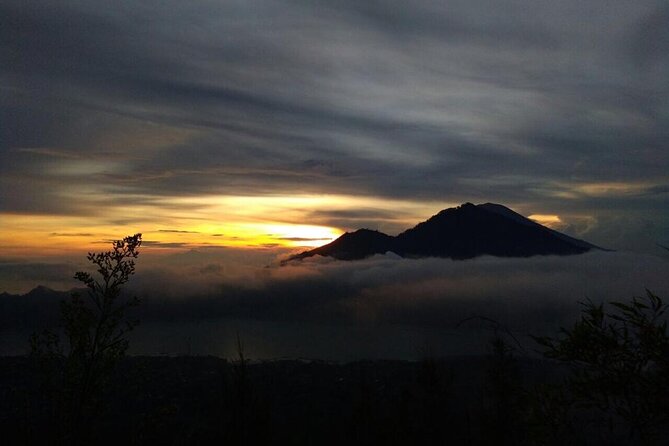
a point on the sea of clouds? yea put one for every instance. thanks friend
(384, 306)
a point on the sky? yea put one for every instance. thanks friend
(271, 126)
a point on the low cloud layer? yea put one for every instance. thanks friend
(385, 301)
(390, 290)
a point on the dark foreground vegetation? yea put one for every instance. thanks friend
(603, 381)
(206, 400)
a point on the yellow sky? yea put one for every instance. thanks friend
(177, 223)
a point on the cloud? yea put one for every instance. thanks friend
(158, 244)
(304, 239)
(376, 297)
(72, 234)
(388, 289)
(522, 103)
(22, 276)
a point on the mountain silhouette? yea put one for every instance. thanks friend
(353, 246)
(463, 232)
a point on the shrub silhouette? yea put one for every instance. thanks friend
(95, 330)
(619, 362)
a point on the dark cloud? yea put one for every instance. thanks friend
(157, 244)
(303, 239)
(22, 276)
(650, 40)
(520, 103)
(370, 218)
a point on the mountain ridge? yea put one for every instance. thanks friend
(462, 232)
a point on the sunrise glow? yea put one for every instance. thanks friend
(176, 223)
(551, 221)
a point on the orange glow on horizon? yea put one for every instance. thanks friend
(30, 239)
(177, 223)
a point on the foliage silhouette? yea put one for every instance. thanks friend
(619, 362)
(95, 331)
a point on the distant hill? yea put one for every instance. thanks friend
(353, 246)
(34, 310)
(463, 232)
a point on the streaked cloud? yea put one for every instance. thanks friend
(336, 114)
